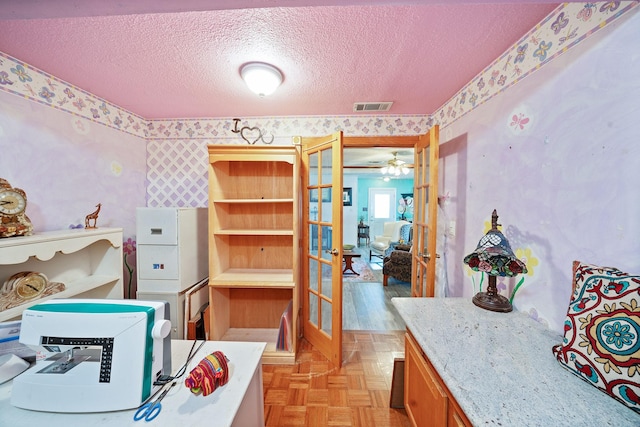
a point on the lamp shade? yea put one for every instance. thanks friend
(262, 79)
(494, 256)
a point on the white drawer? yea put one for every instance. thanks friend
(160, 285)
(158, 262)
(156, 226)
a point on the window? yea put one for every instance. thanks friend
(382, 203)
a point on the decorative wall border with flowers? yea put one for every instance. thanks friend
(29, 82)
(562, 29)
(288, 127)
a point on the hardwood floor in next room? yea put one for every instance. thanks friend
(366, 306)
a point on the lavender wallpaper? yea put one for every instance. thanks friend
(68, 164)
(566, 26)
(558, 157)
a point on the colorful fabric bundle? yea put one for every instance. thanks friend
(212, 372)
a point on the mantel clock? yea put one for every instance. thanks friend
(13, 204)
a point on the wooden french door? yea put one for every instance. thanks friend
(322, 243)
(425, 201)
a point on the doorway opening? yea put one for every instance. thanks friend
(366, 303)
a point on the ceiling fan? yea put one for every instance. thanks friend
(395, 166)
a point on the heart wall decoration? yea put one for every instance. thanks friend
(250, 134)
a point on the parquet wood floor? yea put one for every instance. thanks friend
(314, 392)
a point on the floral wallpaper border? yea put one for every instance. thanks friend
(22, 79)
(565, 27)
(287, 127)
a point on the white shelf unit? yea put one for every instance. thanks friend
(171, 257)
(253, 245)
(87, 261)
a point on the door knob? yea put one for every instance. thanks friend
(333, 252)
(427, 256)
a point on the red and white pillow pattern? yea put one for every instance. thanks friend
(602, 332)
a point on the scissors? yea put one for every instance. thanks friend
(150, 410)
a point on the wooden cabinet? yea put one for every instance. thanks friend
(88, 262)
(426, 399)
(253, 246)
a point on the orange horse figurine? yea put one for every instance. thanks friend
(92, 216)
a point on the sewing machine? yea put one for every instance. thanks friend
(94, 355)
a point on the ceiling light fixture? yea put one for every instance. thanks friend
(395, 167)
(262, 79)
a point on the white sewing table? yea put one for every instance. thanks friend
(240, 403)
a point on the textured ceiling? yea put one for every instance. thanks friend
(184, 60)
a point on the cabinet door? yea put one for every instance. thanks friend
(424, 399)
(457, 418)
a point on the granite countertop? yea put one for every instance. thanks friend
(500, 369)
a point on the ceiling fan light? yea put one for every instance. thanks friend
(262, 79)
(395, 167)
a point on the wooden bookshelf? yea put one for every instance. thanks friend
(253, 244)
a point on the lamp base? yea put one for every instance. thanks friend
(492, 302)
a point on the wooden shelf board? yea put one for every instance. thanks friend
(240, 201)
(268, 335)
(251, 278)
(262, 232)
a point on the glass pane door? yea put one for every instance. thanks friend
(425, 203)
(322, 204)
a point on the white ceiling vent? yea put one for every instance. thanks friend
(372, 106)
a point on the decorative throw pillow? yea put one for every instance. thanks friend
(405, 233)
(602, 332)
